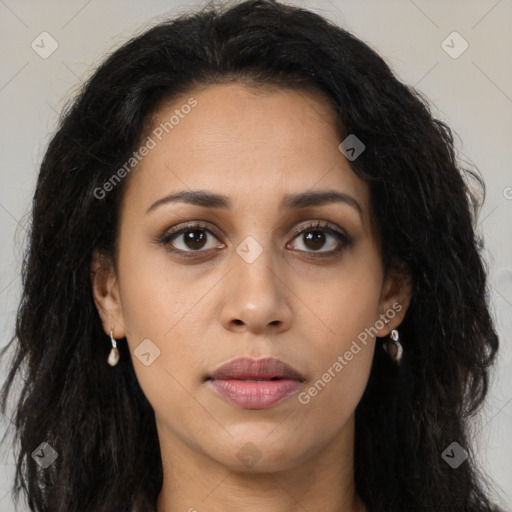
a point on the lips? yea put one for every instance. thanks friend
(245, 368)
(255, 383)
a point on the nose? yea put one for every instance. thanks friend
(257, 296)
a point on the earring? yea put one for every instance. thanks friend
(113, 357)
(393, 346)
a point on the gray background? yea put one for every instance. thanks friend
(472, 92)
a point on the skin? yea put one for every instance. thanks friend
(254, 146)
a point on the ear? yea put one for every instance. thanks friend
(105, 290)
(395, 299)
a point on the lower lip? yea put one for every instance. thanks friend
(255, 394)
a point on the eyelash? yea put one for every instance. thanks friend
(343, 239)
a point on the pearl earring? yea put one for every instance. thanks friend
(393, 346)
(113, 357)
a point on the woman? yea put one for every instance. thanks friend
(252, 283)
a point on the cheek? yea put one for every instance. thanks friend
(156, 294)
(158, 302)
(344, 304)
(346, 310)
(343, 364)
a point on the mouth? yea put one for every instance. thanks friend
(255, 383)
(245, 368)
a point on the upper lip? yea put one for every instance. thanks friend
(256, 369)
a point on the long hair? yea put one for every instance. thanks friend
(97, 418)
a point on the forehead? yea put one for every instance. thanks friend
(251, 144)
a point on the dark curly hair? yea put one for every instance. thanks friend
(97, 417)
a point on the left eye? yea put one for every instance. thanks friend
(315, 238)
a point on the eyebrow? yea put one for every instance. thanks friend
(290, 202)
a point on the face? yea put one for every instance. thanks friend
(273, 268)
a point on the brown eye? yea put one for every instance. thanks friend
(315, 240)
(195, 239)
(315, 237)
(191, 238)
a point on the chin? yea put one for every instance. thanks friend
(256, 454)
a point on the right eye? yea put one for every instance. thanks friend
(192, 238)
